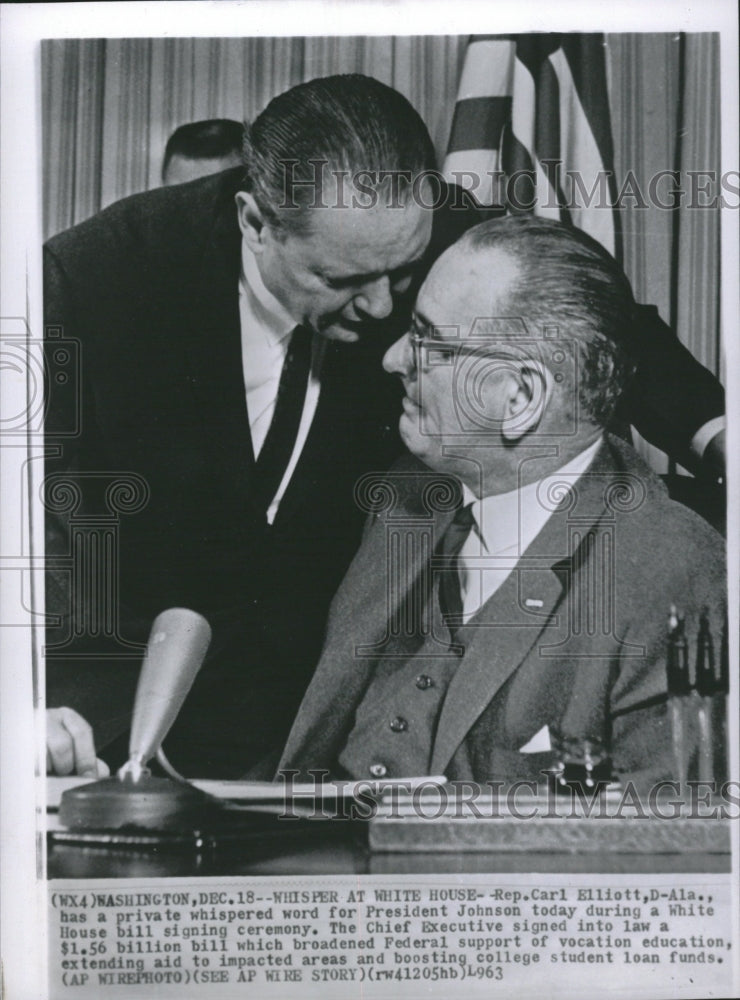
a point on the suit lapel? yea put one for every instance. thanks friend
(501, 636)
(494, 652)
(357, 632)
(213, 336)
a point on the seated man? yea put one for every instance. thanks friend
(514, 585)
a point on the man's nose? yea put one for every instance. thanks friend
(399, 359)
(375, 299)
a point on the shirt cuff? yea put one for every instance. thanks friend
(704, 435)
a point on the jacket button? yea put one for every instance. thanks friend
(424, 682)
(399, 724)
(378, 770)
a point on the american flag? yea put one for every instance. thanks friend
(531, 129)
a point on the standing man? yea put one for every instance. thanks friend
(229, 397)
(231, 333)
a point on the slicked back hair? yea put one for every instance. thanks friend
(347, 123)
(567, 282)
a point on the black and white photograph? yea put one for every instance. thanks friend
(369, 568)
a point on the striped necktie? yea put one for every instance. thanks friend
(450, 593)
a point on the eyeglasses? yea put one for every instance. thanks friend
(433, 352)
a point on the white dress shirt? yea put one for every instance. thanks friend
(266, 328)
(505, 526)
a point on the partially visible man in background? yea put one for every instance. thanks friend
(202, 148)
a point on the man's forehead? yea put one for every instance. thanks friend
(361, 240)
(466, 285)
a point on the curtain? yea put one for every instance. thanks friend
(109, 106)
(665, 104)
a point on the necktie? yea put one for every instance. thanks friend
(280, 440)
(450, 595)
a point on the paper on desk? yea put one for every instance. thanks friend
(276, 791)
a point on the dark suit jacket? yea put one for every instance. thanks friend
(573, 640)
(142, 300)
(148, 289)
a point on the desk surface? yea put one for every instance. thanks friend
(264, 845)
(345, 852)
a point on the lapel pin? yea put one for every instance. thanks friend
(532, 602)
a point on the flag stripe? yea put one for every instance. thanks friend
(533, 50)
(587, 65)
(545, 133)
(487, 70)
(515, 156)
(557, 110)
(547, 114)
(476, 119)
(580, 153)
(550, 200)
(476, 170)
(524, 105)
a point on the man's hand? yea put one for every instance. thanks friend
(70, 748)
(715, 455)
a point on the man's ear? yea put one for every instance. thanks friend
(251, 221)
(530, 391)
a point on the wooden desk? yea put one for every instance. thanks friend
(265, 845)
(351, 857)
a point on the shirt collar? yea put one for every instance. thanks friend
(273, 317)
(509, 522)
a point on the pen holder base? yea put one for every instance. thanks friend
(147, 803)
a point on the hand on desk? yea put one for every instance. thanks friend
(70, 748)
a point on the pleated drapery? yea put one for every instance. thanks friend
(665, 103)
(109, 105)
